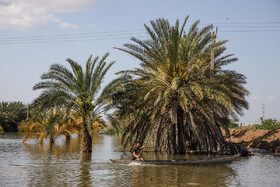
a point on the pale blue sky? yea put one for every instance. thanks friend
(35, 35)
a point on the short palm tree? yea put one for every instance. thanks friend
(74, 123)
(50, 125)
(71, 125)
(43, 126)
(174, 96)
(76, 90)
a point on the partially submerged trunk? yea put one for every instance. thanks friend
(51, 139)
(230, 148)
(179, 140)
(87, 140)
(68, 138)
(179, 134)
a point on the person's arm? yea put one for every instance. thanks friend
(141, 148)
(135, 155)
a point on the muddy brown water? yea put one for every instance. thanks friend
(63, 164)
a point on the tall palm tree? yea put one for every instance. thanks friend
(173, 96)
(76, 90)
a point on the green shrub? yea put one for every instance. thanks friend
(268, 124)
(108, 131)
(233, 125)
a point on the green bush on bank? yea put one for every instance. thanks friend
(113, 131)
(268, 124)
(108, 131)
(265, 124)
(233, 125)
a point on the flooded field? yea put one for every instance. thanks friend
(63, 164)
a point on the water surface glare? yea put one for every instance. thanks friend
(62, 164)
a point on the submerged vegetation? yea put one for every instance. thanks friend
(50, 125)
(44, 126)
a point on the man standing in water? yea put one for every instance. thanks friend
(137, 151)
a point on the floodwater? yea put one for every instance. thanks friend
(62, 164)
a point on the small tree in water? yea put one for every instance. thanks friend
(46, 125)
(174, 96)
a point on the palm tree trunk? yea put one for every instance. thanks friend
(174, 138)
(87, 140)
(194, 128)
(181, 149)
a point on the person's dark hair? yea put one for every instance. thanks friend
(139, 142)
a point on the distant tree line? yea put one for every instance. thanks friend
(11, 114)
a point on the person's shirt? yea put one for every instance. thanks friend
(137, 150)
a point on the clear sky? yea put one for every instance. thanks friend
(35, 34)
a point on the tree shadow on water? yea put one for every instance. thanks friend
(85, 178)
(211, 175)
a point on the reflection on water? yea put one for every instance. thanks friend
(85, 179)
(63, 164)
(182, 175)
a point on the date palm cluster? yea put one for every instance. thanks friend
(174, 97)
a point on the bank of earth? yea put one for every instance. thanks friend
(262, 139)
